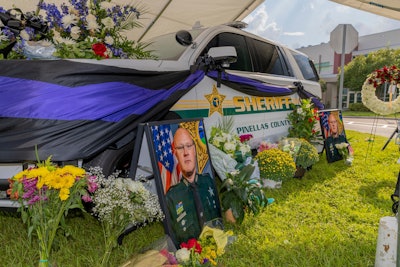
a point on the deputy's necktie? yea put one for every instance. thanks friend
(199, 205)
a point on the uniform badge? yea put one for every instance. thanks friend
(179, 208)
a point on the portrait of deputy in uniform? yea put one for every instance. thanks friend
(194, 200)
(335, 135)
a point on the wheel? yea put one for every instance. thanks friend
(112, 160)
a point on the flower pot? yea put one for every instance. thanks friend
(268, 183)
(300, 171)
(229, 216)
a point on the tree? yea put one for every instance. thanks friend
(361, 66)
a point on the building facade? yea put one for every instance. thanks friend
(327, 63)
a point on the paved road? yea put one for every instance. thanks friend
(377, 126)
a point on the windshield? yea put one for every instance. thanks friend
(166, 47)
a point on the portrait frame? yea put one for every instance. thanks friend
(326, 116)
(155, 140)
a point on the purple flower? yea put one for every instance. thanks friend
(86, 198)
(92, 185)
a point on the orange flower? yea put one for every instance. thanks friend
(10, 189)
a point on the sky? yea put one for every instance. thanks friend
(300, 23)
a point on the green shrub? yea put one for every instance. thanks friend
(358, 107)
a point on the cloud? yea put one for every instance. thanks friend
(293, 33)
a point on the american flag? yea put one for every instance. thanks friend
(167, 163)
(324, 122)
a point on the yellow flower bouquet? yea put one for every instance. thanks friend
(46, 193)
(276, 165)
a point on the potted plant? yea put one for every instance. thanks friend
(303, 120)
(240, 193)
(275, 165)
(303, 152)
(307, 155)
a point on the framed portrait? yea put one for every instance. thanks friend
(333, 132)
(183, 174)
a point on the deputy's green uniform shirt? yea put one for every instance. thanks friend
(331, 150)
(182, 209)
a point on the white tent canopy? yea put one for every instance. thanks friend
(386, 8)
(165, 16)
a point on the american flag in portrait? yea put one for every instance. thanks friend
(167, 162)
(323, 116)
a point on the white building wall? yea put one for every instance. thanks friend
(323, 57)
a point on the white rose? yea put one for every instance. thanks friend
(182, 255)
(108, 23)
(244, 149)
(229, 146)
(109, 40)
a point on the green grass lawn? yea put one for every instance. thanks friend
(330, 217)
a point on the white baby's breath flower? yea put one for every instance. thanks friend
(24, 35)
(68, 20)
(108, 23)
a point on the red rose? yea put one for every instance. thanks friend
(100, 50)
(192, 243)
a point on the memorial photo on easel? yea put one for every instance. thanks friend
(185, 181)
(337, 146)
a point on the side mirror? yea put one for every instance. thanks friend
(184, 38)
(223, 55)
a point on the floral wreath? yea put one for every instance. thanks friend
(376, 78)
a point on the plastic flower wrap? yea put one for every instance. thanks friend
(291, 146)
(231, 144)
(46, 194)
(265, 145)
(241, 193)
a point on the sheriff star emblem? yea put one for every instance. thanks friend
(215, 99)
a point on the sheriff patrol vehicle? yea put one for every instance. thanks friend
(229, 72)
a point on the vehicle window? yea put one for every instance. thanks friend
(166, 47)
(306, 66)
(268, 59)
(243, 62)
